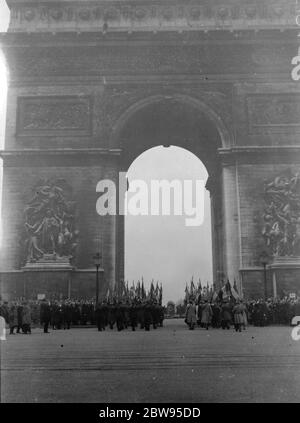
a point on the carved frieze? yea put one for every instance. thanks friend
(275, 113)
(149, 14)
(179, 58)
(116, 100)
(49, 220)
(281, 217)
(69, 115)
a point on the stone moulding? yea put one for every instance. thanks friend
(47, 115)
(129, 15)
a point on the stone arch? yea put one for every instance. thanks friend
(216, 120)
(130, 136)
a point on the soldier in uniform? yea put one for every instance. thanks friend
(238, 311)
(4, 311)
(45, 315)
(141, 314)
(67, 314)
(26, 318)
(20, 314)
(100, 314)
(119, 310)
(155, 314)
(206, 315)
(133, 315)
(147, 315)
(226, 315)
(190, 316)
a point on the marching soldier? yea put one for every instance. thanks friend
(226, 315)
(133, 315)
(67, 315)
(45, 315)
(147, 316)
(190, 317)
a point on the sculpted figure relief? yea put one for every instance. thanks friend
(49, 222)
(281, 229)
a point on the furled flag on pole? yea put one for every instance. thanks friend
(160, 294)
(187, 294)
(193, 290)
(199, 286)
(138, 290)
(143, 292)
(234, 291)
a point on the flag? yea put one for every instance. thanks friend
(160, 295)
(214, 297)
(143, 292)
(192, 291)
(151, 293)
(234, 291)
(187, 294)
(199, 287)
(228, 288)
(138, 290)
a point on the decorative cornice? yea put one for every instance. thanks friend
(149, 15)
(59, 152)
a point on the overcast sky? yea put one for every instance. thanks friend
(158, 247)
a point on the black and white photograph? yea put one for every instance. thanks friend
(150, 204)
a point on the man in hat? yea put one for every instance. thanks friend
(100, 314)
(45, 315)
(226, 315)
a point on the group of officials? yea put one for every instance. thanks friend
(136, 313)
(239, 313)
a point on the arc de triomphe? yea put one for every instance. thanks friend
(93, 84)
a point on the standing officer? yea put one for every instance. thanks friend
(100, 316)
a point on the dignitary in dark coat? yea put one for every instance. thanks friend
(147, 315)
(238, 315)
(45, 315)
(120, 317)
(13, 318)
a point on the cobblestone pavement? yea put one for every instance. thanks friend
(170, 364)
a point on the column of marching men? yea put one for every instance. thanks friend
(134, 309)
(122, 308)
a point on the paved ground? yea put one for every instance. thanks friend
(170, 364)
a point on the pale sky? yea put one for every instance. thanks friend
(162, 248)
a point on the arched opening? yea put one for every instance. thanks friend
(174, 120)
(163, 247)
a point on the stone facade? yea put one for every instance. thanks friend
(89, 79)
